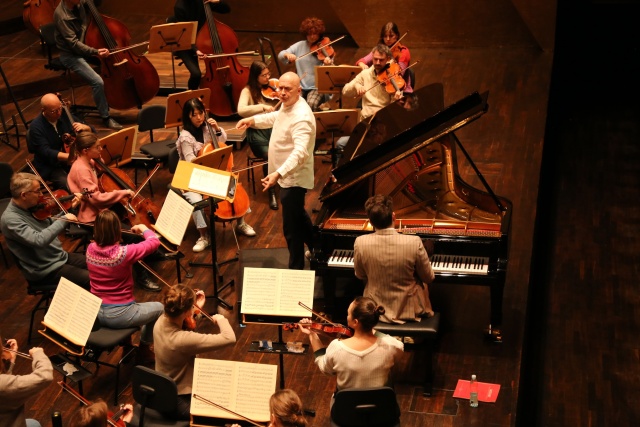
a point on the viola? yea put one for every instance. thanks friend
(37, 13)
(129, 80)
(224, 75)
(226, 210)
(271, 92)
(390, 77)
(114, 419)
(323, 49)
(58, 201)
(137, 210)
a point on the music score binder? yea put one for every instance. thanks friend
(70, 317)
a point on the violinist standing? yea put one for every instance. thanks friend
(312, 29)
(390, 36)
(252, 102)
(72, 19)
(364, 360)
(45, 140)
(290, 163)
(176, 349)
(189, 11)
(111, 272)
(193, 137)
(83, 177)
(15, 390)
(35, 242)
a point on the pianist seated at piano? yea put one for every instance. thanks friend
(395, 267)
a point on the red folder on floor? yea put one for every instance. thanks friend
(486, 392)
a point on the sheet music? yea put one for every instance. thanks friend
(244, 388)
(274, 291)
(72, 312)
(174, 218)
(203, 181)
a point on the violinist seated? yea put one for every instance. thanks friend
(97, 415)
(370, 84)
(190, 11)
(260, 95)
(15, 390)
(192, 142)
(111, 271)
(34, 242)
(363, 360)
(47, 135)
(312, 29)
(72, 19)
(83, 179)
(390, 36)
(176, 347)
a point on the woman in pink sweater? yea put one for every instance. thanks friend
(110, 267)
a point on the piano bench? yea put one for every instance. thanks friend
(424, 332)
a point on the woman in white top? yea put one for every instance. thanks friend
(364, 360)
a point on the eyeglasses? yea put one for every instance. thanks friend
(57, 110)
(265, 75)
(38, 192)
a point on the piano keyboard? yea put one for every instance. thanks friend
(343, 258)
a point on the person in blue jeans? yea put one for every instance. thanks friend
(71, 20)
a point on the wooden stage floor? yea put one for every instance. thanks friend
(506, 144)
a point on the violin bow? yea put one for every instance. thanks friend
(301, 304)
(398, 41)
(146, 180)
(17, 353)
(208, 402)
(224, 55)
(35, 172)
(320, 47)
(124, 49)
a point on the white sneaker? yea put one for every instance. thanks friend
(245, 229)
(201, 245)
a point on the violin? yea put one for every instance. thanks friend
(224, 75)
(322, 49)
(114, 419)
(129, 80)
(58, 201)
(271, 92)
(226, 210)
(390, 77)
(37, 13)
(328, 329)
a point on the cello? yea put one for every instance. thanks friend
(37, 13)
(129, 80)
(224, 75)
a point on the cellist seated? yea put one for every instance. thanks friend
(193, 137)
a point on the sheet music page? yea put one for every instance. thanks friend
(204, 181)
(244, 388)
(174, 218)
(275, 291)
(72, 312)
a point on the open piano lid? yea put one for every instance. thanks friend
(396, 132)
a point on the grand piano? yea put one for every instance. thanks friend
(409, 153)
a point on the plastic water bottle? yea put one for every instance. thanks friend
(473, 395)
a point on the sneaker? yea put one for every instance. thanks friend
(245, 229)
(112, 124)
(201, 245)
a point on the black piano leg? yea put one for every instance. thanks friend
(329, 288)
(494, 332)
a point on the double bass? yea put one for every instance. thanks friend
(37, 13)
(224, 75)
(129, 80)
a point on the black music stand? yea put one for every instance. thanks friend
(181, 180)
(334, 123)
(332, 78)
(172, 38)
(4, 134)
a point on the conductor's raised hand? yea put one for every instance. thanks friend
(245, 123)
(270, 180)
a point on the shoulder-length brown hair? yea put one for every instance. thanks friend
(106, 230)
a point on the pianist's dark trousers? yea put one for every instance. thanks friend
(296, 225)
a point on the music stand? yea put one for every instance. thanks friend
(119, 146)
(172, 38)
(332, 78)
(336, 123)
(176, 101)
(181, 180)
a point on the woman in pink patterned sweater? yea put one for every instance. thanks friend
(110, 267)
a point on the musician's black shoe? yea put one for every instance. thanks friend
(148, 285)
(273, 202)
(112, 124)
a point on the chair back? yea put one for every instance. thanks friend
(173, 160)
(370, 407)
(6, 171)
(153, 390)
(151, 117)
